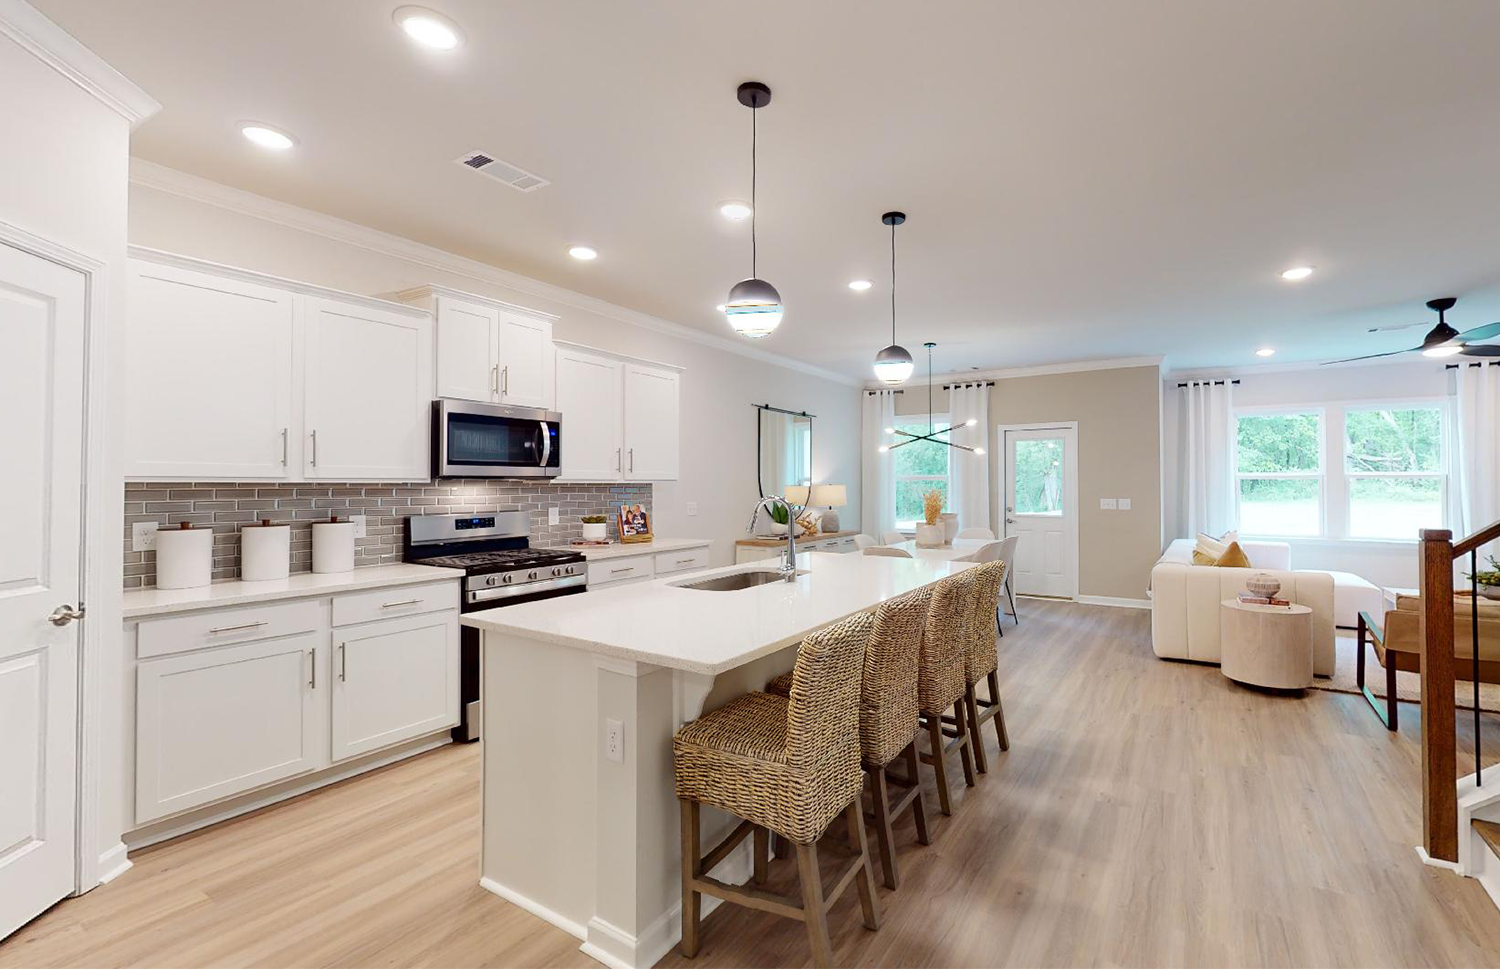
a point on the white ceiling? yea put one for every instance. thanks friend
(1083, 180)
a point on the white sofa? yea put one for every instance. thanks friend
(1185, 600)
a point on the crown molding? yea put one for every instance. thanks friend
(183, 185)
(429, 291)
(1043, 370)
(1304, 366)
(59, 50)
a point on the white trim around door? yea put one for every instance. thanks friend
(1066, 586)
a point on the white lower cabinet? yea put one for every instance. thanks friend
(215, 723)
(393, 680)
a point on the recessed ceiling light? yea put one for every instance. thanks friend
(583, 252)
(734, 210)
(1297, 272)
(428, 28)
(860, 285)
(266, 136)
(1265, 352)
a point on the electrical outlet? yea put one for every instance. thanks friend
(359, 525)
(1106, 504)
(143, 536)
(614, 741)
(692, 508)
(1123, 504)
(552, 518)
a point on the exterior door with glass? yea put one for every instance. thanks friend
(1041, 507)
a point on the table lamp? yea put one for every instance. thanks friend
(832, 496)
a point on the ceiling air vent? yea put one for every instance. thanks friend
(517, 178)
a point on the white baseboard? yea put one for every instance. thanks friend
(1114, 601)
(113, 863)
(535, 908)
(1437, 862)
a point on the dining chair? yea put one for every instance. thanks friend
(892, 538)
(888, 552)
(975, 533)
(1008, 556)
(863, 541)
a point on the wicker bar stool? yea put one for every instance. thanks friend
(940, 680)
(787, 765)
(888, 720)
(980, 662)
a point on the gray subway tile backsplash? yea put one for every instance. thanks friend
(227, 506)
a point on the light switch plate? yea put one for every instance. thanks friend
(692, 508)
(614, 741)
(359, 525)
(1123, 504)
(552, 515)
(143, 536)
(1106, 504)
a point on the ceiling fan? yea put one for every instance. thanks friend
(1442, 340)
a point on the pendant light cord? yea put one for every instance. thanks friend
(754, 137)
(931, 424)
(893, 284)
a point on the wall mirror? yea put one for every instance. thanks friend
(784, 448)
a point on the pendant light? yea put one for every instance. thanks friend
(893, 364)
(932, 429)
(754, 307)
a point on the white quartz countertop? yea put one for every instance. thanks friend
(158, 602)
(619, 550)
(710, 632)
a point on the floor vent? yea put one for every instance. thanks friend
(517, 178)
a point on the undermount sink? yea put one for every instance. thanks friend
(735, 581)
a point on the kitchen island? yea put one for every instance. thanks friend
(582, 695)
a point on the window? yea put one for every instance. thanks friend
(1280, 473)
(1393, 459)
(919, 468)
(1038, 476)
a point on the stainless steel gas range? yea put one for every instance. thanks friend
(500, 569)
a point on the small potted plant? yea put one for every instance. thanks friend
(594, 528)
(781, 518)
(1488, 579)
(930, 535)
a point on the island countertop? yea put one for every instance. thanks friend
(710, 632)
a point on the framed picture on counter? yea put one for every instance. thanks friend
(635, 523)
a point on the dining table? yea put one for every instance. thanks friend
(944, 553)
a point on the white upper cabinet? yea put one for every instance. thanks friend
(368, 392)
(588, 397)
(208, 388)
(488, 350)
(651, 423)
(620, 417)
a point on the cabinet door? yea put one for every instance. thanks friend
(588, 397)
(208, 376)
(368, 400)
(651, 423)
(223, 721)
(468, 357)
(525, 378)
(393, 680)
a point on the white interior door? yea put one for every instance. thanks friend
(1041, 507)
(42, 314)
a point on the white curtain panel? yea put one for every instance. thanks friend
(877, 497)
(1207, 451)
(1477, 475)
(970, 476)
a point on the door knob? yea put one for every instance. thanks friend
(64, 614)
(1010, 521)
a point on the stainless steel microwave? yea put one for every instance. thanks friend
(474, 440)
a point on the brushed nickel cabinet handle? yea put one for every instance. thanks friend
(283, 446)
(632, 460)
(403, 602)
(315, 447)
(495, 379)
(617, 459)
(230, 629)
(628, 568)
(504, 380)
(685, 561)
(312, 666)
(343, 664)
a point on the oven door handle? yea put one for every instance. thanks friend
(546, 443)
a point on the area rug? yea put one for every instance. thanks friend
(1408, 685)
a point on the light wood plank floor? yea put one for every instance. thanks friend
(1148, 813)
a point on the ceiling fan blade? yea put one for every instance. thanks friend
(1398, 326)
(1480, 332)
(1370, 356)
(1486, 350)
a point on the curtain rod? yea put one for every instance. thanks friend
(872, 393)
(970, 383)
(1214, 383)
(1455, 366)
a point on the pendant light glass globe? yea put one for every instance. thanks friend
(893, 365)
(753, 308)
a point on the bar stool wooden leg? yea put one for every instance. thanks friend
(966, 741)
(692, 868)
(865, 879)
(813, 907)
(939, 764)
(762, 849)
(918, 810)
(971, 710)
(880, 804)
(1000, 731)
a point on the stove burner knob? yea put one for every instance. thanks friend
(556, 573)
(531, 575)
(489, 580)
(506, 578)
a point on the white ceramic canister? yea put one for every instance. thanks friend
(333, 546)
(929, 536)
(949, 521)
(265, 551)
(184, 557)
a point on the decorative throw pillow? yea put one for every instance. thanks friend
(1234, 557)
(1208, 550)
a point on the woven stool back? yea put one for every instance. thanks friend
(940, 664)
(985, 584)
(822, 720)
(888, 701)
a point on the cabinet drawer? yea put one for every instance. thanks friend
(618, 570)
(402, 600)
(199, 630)
(681, 561)
(848, 544)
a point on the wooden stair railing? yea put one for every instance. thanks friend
(1439, 670)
